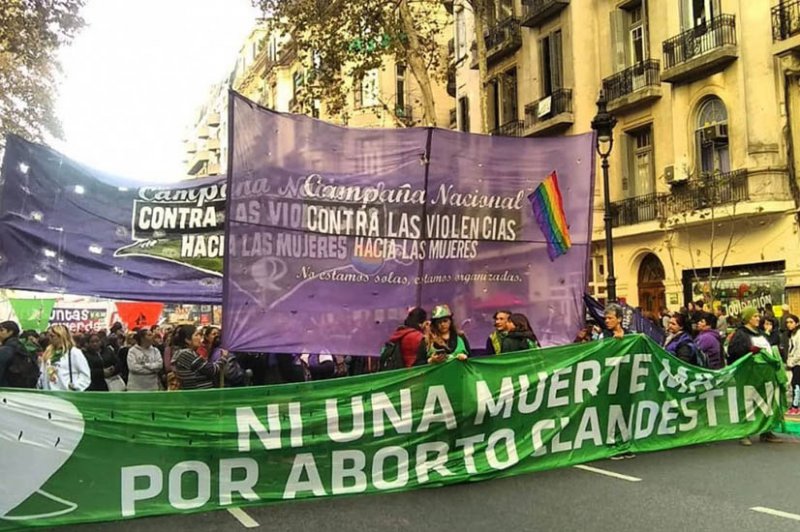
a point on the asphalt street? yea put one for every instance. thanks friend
(712, 487)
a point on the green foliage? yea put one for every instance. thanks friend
(31, 33)
(341, 40)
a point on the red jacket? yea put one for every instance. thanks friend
(410, 340)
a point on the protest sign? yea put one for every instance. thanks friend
(76, 457)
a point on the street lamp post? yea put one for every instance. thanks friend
(603, 123)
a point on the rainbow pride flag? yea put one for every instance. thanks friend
(549, 212)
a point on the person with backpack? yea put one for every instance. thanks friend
(678, 341)
(18, 368)
(406, 347)
(709, 341)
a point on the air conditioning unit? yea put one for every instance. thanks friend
(671, 177)
(718, 133)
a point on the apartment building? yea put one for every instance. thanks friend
(703, 173)
(269, 71)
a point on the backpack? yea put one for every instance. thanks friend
(699, 358)
(22, 371)
(391, 356)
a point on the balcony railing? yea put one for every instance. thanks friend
(513, 128)
(537, 12)
(703, 192)
(718, 32)
(639, 76)
(560, 101)
(503, 39)
(709, 190)
(785, 20)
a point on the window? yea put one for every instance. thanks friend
(463, 114)
(461, 35)
(400, 88)
(298, 80)
(503, 98)
(366, 90)
(629, 30)
(698, 13)
(551, 62)
(711, 137)
(640, 176)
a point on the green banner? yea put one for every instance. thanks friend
(78, 457)
(33, 313)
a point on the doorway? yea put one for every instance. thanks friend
(652, 293)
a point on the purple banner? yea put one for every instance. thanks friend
(335, 232)
(66, 228)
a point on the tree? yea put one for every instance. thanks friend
(342, 40)
(31, 33)
(708, 208)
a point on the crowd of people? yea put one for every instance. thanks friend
(187, 357)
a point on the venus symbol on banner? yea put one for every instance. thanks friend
(40, 432)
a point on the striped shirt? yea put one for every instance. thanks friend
(194, 372)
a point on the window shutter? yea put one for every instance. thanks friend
(646, 28)
(556, 60)
(619, 40)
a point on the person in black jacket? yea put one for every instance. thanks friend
(749, 339)
(18, 369)
(520, 336)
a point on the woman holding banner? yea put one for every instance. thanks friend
(63, 365)
(445, 341)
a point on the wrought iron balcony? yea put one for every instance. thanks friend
(785, 20)
(709, 190)
(549, 113)
(632, 211)
(502, 40)
(637, 84)
(702, 192)
(513, 128)
(537, 12)
(701, 50)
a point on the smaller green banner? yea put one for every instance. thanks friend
(33, 313)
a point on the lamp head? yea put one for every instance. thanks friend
(603, 123)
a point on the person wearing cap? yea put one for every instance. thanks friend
(445, 341)
(750, 339)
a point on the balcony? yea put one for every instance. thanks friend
(634, 86)
(548, 115)
(786, 27)
(502, 40)
(198, 162)
(701, 193)
(537, 12)
(212, 144)
(202, 132)
(513, 128)
(213, 119)
(700, 51)
(213, 168)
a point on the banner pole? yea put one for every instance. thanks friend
(427, 161)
